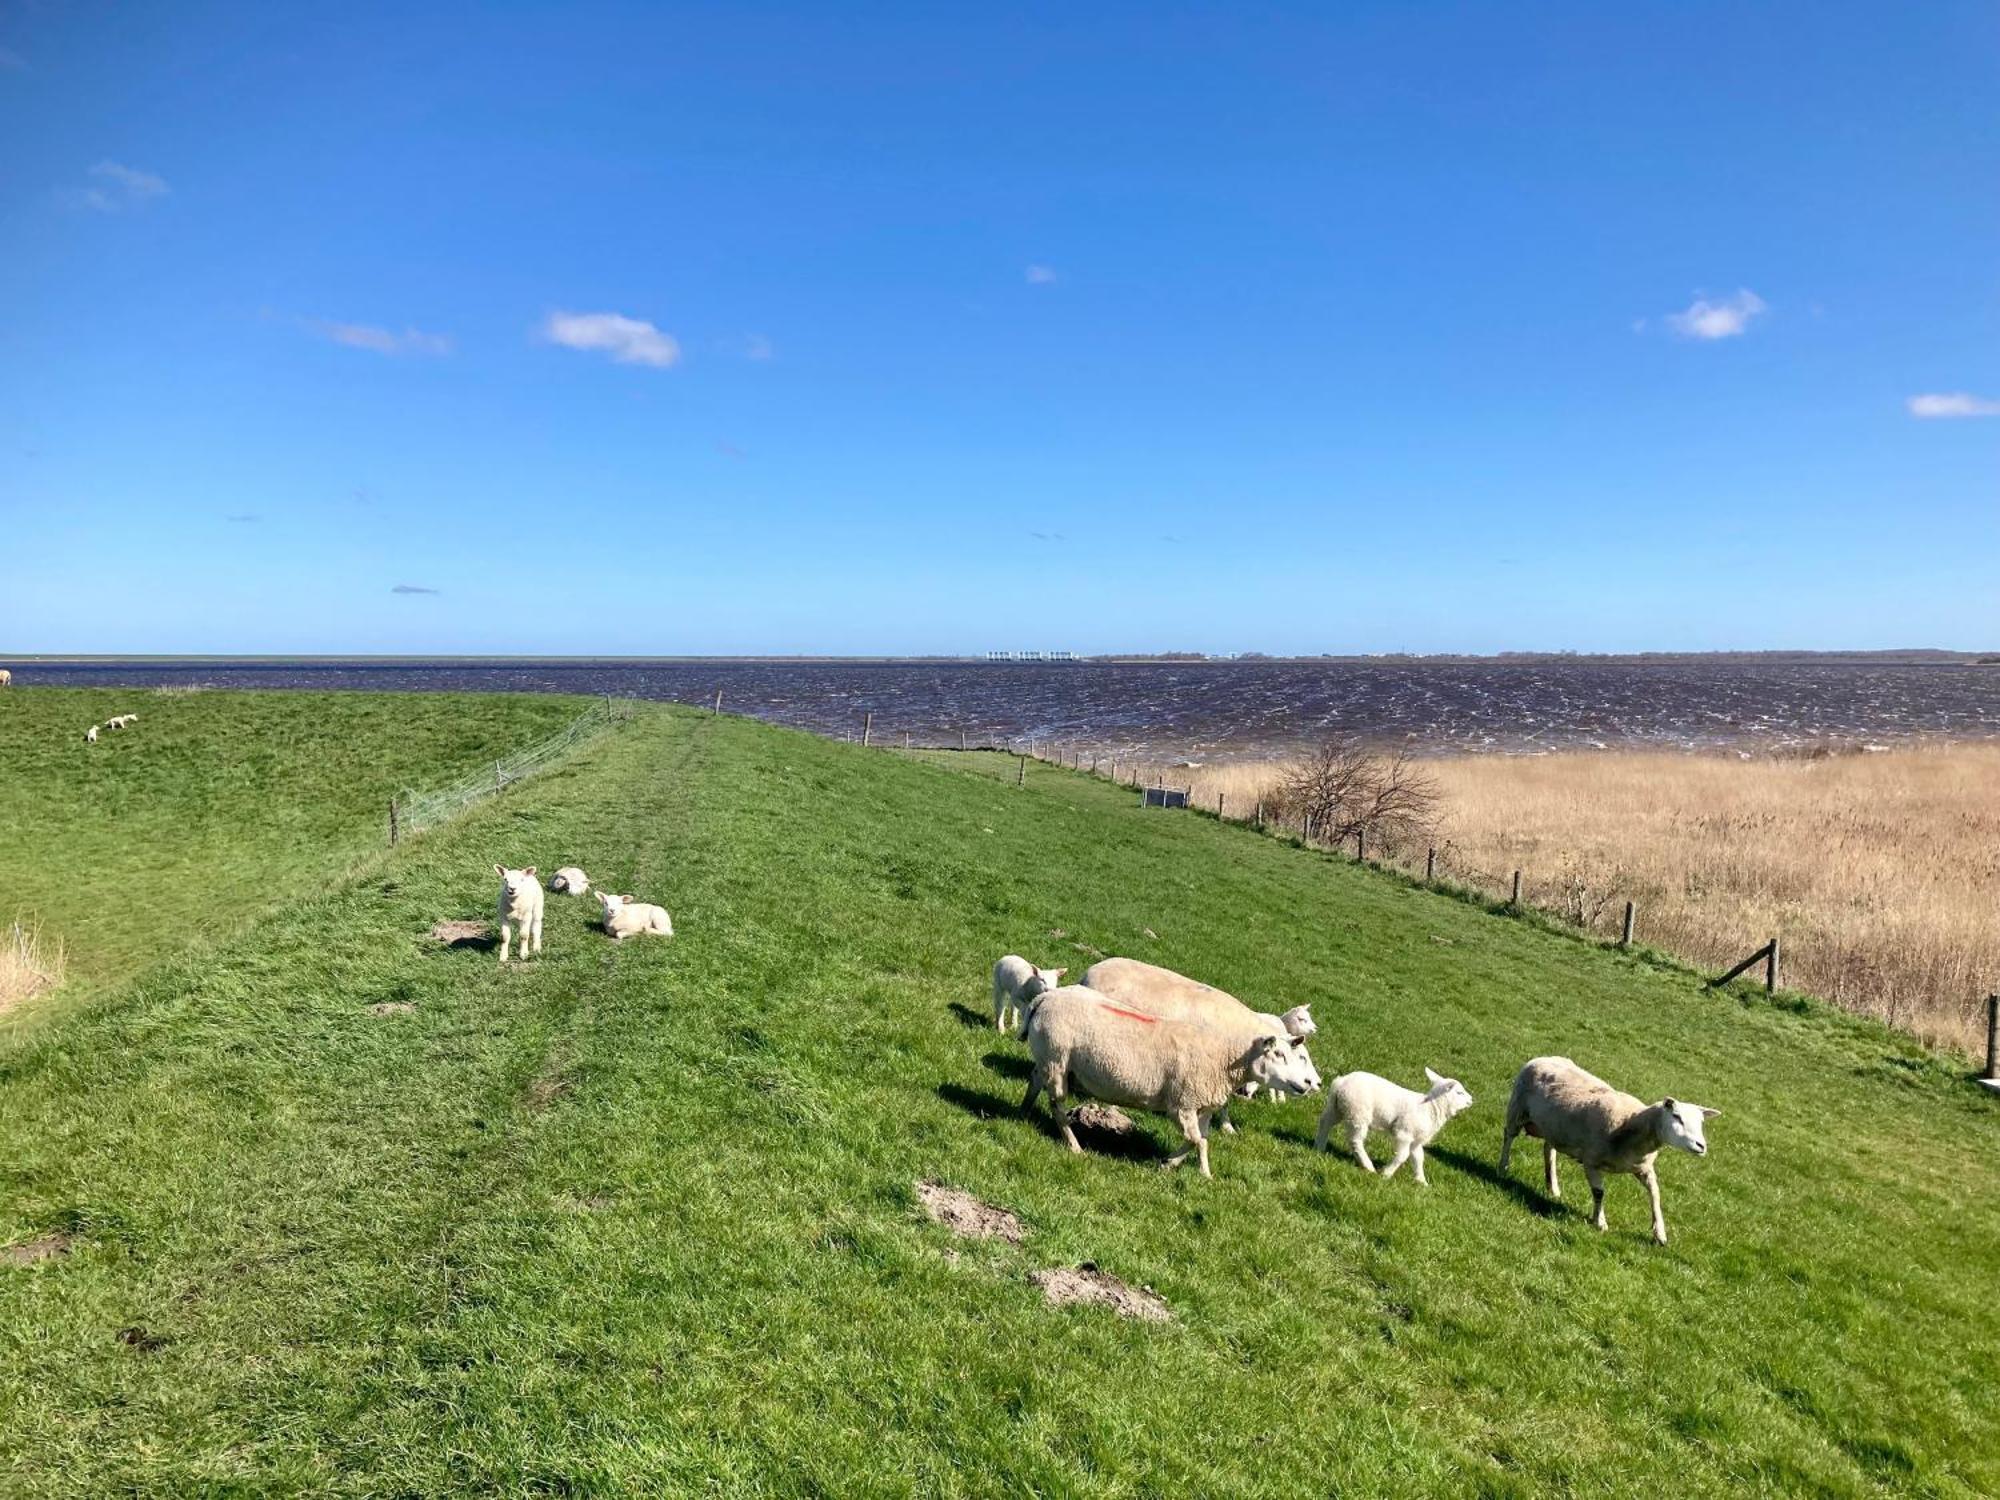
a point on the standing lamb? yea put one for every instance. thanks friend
(1580, 1115)
(520, 909)
(6, 678)
(90, 735)
(1016, 982)
(1368, 1102)
(569, 881)
(624, 917)
(1176, 1068)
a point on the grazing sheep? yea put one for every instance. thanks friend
(1015, 983)
(121, 721)
(1582, 1116)
(1176, 1068)
(624, 917)
(90, 735)
(1368, 1102)
(6, 678)
(1168, 996)
(520, 909)
(570, 881)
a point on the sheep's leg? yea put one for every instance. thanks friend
(1035, 1084)
(1194, 1128)
(1227, 1127)
(1652, 1181)
(505, 934)
(1326, 1118)
(1357, 1142)
(1061, 1106)
(1507, 1142)
(1402, 1154)
(538, 933)
(1417, 1162)
(1596, 1177)
(999, 1008)
(1549, 1169)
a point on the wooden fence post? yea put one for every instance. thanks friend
(718, 704)
(499, 778)
(1260, 812)
(1431, 863)
(1218, 804)
(1306, 824)
(1021, 776)
(1993, 1038)
(1631, 920)
(1771, 969)
(392, 823)
(1361, 843)
(1515, 899)
(867, 729)
(906, 742)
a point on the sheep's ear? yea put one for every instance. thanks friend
(529, 871)
(1669, 1103)
(501, 871)
(1435, 1077)
(1706, 1112)
(1059, 972)
(1268, 1044)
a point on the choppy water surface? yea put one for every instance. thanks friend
(1216, 709)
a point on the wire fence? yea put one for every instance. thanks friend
(414, 812)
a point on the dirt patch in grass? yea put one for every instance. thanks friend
(544, 1091)
(391, 1008)
(1102, 1119)
(1062, 1287)
(458, 933)
(967, 1217)
(32, 1252)
(143, 1339)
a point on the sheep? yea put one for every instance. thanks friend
(1176, 1068)
(90, 735)
(121, 721)
(1582, 1116)
(624, 917)
(1367, 1102)
(570, 881)
(1162, 993)
(6, 678)
(520, 909)
(1015, 982)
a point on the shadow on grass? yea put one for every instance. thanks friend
(1535, 1201)
(970, 1017)
(1127, 1145)
(1007, 1065)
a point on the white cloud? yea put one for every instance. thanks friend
(1953, 404)
(118, 187)
(756, 346)
(629, 341)
(1717, 320)
(414, 588)
(381, 340)
(1041, 275)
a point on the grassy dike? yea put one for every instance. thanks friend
(639, 1219)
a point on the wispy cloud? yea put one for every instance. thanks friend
(413, 588)
(1048, 536)
(245, 518)
(629, 341)
(115, 187)
(1724, 319)
(379, 340)
(1041, 275)
(1953, 404)
(750, 346)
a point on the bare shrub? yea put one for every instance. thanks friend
(1346, 789)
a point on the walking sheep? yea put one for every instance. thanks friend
(1174, 1068)
(1368, 1102)
(624, 917)
(520, 909)
(569, 881)
(1016, 982)
(1582, 1116)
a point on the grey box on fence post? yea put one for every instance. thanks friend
(1165, 796)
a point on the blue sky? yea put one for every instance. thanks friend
(742, 328)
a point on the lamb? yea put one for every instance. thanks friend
(90, 735)
(121, 721)
(1582, 1116)
(1367, 1102)
(1168, 996)
(570, 881)
(6, 678)
(520, 909)
(1176, 1068)
(624, 917)
(1015, 983)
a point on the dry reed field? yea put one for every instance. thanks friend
(30, 964)
(1880, 872)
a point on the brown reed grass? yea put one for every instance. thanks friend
(29, 964)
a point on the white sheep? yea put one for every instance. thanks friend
(1580, 1115)
(1176, 1068)
(6, 677)
(120, 721)
(1016, 982)
(1168, 996)
(570, 881)
(624, 917)
(90, 735)
(520, 909)
(1369, 1102)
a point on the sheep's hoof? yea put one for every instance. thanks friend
(1227, 1128)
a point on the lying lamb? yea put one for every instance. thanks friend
(1015, 983)
(1582, 1116)
(1368, 1102)
(569, 881)
(520, 909)
(624, 917)
(1176, 1068)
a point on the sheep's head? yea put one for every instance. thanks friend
(1455, 1095)
(1683, 1126)
(1041, 982)
(1281, 1064)
(515, 881)
(1299, 1021)
(611, 902)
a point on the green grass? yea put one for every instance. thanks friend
(215, 806)
(639, 1219)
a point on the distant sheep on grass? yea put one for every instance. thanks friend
(1016, 982)
(1365, 1102)
(569, 881)
(90, 735)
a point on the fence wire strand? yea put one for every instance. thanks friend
(417, 811)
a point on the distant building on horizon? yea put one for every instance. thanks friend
(1031, 656)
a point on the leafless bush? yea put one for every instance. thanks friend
(1346, 789)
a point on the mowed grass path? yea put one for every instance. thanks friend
(639, 1218)
(215, 806)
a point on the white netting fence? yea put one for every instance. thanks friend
(414, 811)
